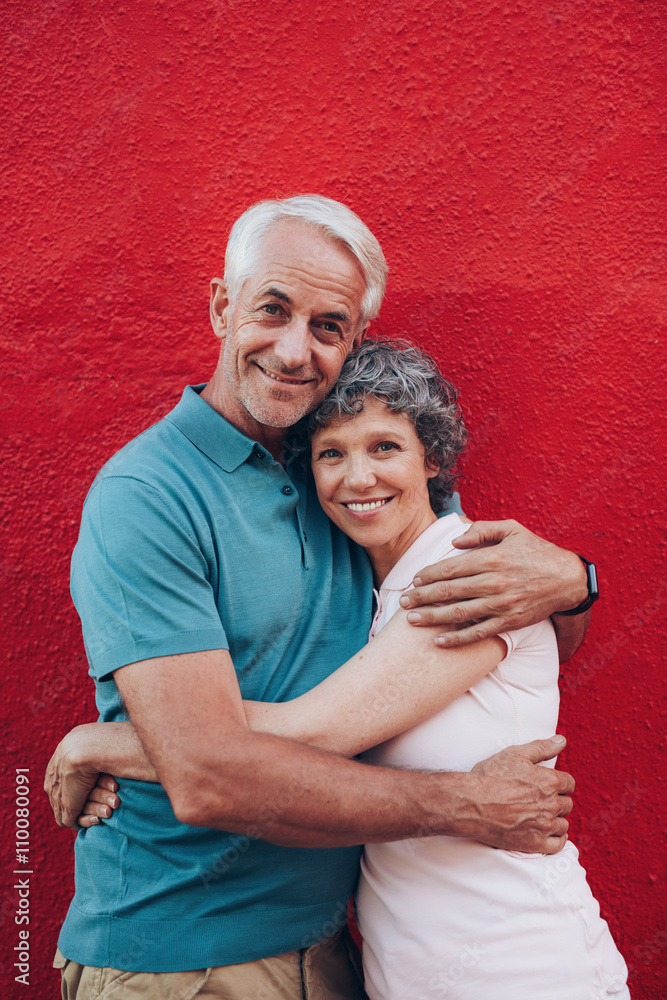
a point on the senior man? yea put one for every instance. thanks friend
(206, 572)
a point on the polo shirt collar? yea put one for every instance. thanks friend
(210, 432)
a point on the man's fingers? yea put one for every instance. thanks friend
(485, 533)
(560, 827)
(473, 633)
(540, 750)
(555, 844)
(566, 804)
(566, 784)
(469, 564)
(449, 614)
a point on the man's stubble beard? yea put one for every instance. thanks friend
(262, 412)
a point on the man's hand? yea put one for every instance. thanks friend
(512, 579)
(69, 780)
(522, 804)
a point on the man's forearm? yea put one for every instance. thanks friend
(299, 796)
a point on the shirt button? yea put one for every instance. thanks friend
(287, 490)
(257, 452)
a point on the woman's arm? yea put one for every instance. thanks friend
(395, 682)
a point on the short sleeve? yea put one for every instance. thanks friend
(140, 579)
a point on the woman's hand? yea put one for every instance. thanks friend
(101, 801)
(79, 778)
(70, 777)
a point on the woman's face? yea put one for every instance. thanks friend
(372, 480)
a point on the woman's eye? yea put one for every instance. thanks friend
(387, 446)
(329, 453)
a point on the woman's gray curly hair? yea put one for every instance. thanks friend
(408, 381)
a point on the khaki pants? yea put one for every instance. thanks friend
(330, 970)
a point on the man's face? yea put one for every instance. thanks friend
(290, 328)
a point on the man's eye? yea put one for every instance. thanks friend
(271, 309)
(330, 328)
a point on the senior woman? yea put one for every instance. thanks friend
(440, 916)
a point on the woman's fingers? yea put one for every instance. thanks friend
(107, 781)
(87, 821)
(100, 802)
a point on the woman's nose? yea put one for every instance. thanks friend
(360, 475)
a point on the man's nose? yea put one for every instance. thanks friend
(294, 344)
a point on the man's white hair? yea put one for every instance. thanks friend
(331, 218)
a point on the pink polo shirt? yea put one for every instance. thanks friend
(448, 917)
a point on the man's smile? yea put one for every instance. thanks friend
(284, 379)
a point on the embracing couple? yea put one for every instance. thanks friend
(253, 735)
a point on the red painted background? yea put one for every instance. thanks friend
(511, 159)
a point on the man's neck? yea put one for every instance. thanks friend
(271, 438)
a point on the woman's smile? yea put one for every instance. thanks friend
(365, 506)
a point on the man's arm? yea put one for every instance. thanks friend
(512, 578)
(218, 773)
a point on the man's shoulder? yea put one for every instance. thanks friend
(155, 447)
(164, 455)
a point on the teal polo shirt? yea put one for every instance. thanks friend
(194, 538)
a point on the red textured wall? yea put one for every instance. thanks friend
(511, 159)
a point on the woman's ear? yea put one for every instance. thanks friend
(431, 467)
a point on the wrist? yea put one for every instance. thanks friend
(452, 806)
(588, 594)
(576, 591)
(76, 748)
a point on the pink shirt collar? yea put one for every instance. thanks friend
(419, 554)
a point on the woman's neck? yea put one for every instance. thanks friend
(384, 557)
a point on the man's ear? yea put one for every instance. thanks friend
(219, 308)
(360, 337)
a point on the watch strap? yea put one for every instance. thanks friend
(593, 592)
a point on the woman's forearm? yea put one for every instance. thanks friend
(395, 682)
(110, 747)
